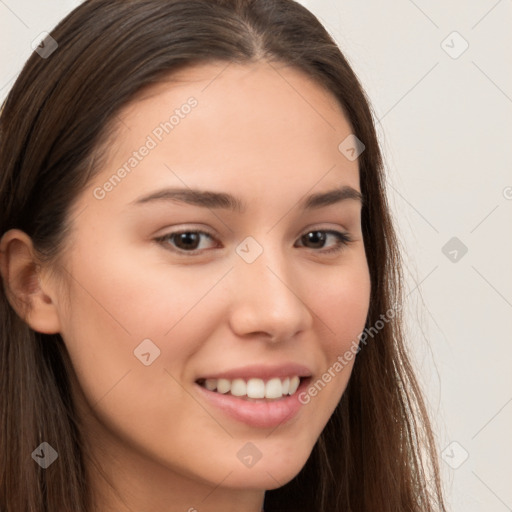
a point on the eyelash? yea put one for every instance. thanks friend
(344, 239)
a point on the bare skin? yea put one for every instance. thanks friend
(268, 135)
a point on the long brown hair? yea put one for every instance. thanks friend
(377, 452)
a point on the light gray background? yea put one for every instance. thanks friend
(445, 123)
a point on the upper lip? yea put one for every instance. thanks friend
(261, 372)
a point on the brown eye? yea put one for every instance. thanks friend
(184, 241)
(187, 240)
(316, 240)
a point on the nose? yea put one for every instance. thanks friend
(267, 299)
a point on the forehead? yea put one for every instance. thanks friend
(256, 79)
(252, 127)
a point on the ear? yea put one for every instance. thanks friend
(21, 275)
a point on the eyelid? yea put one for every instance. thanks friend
(343, 235)
(344, 239)
(162, 238)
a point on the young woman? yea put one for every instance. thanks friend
(201, 283)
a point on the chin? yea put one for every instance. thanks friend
(262, 479)
(270, 472)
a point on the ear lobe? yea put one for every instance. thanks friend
(21, 279)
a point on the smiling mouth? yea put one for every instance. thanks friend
(254, 389)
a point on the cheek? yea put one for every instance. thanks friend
(348, 308)
(135, 296)
(113, 308)
(116, 303)
(342, 306)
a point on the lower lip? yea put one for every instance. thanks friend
(257, 414)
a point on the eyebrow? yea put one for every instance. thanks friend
(223, 200)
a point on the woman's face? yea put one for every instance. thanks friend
(246, 295)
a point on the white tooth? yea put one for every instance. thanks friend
(294, 384)
(255, 388)
(274, 388)
(210, 384)
(238, 387)
(223, 385)
(286, 385)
